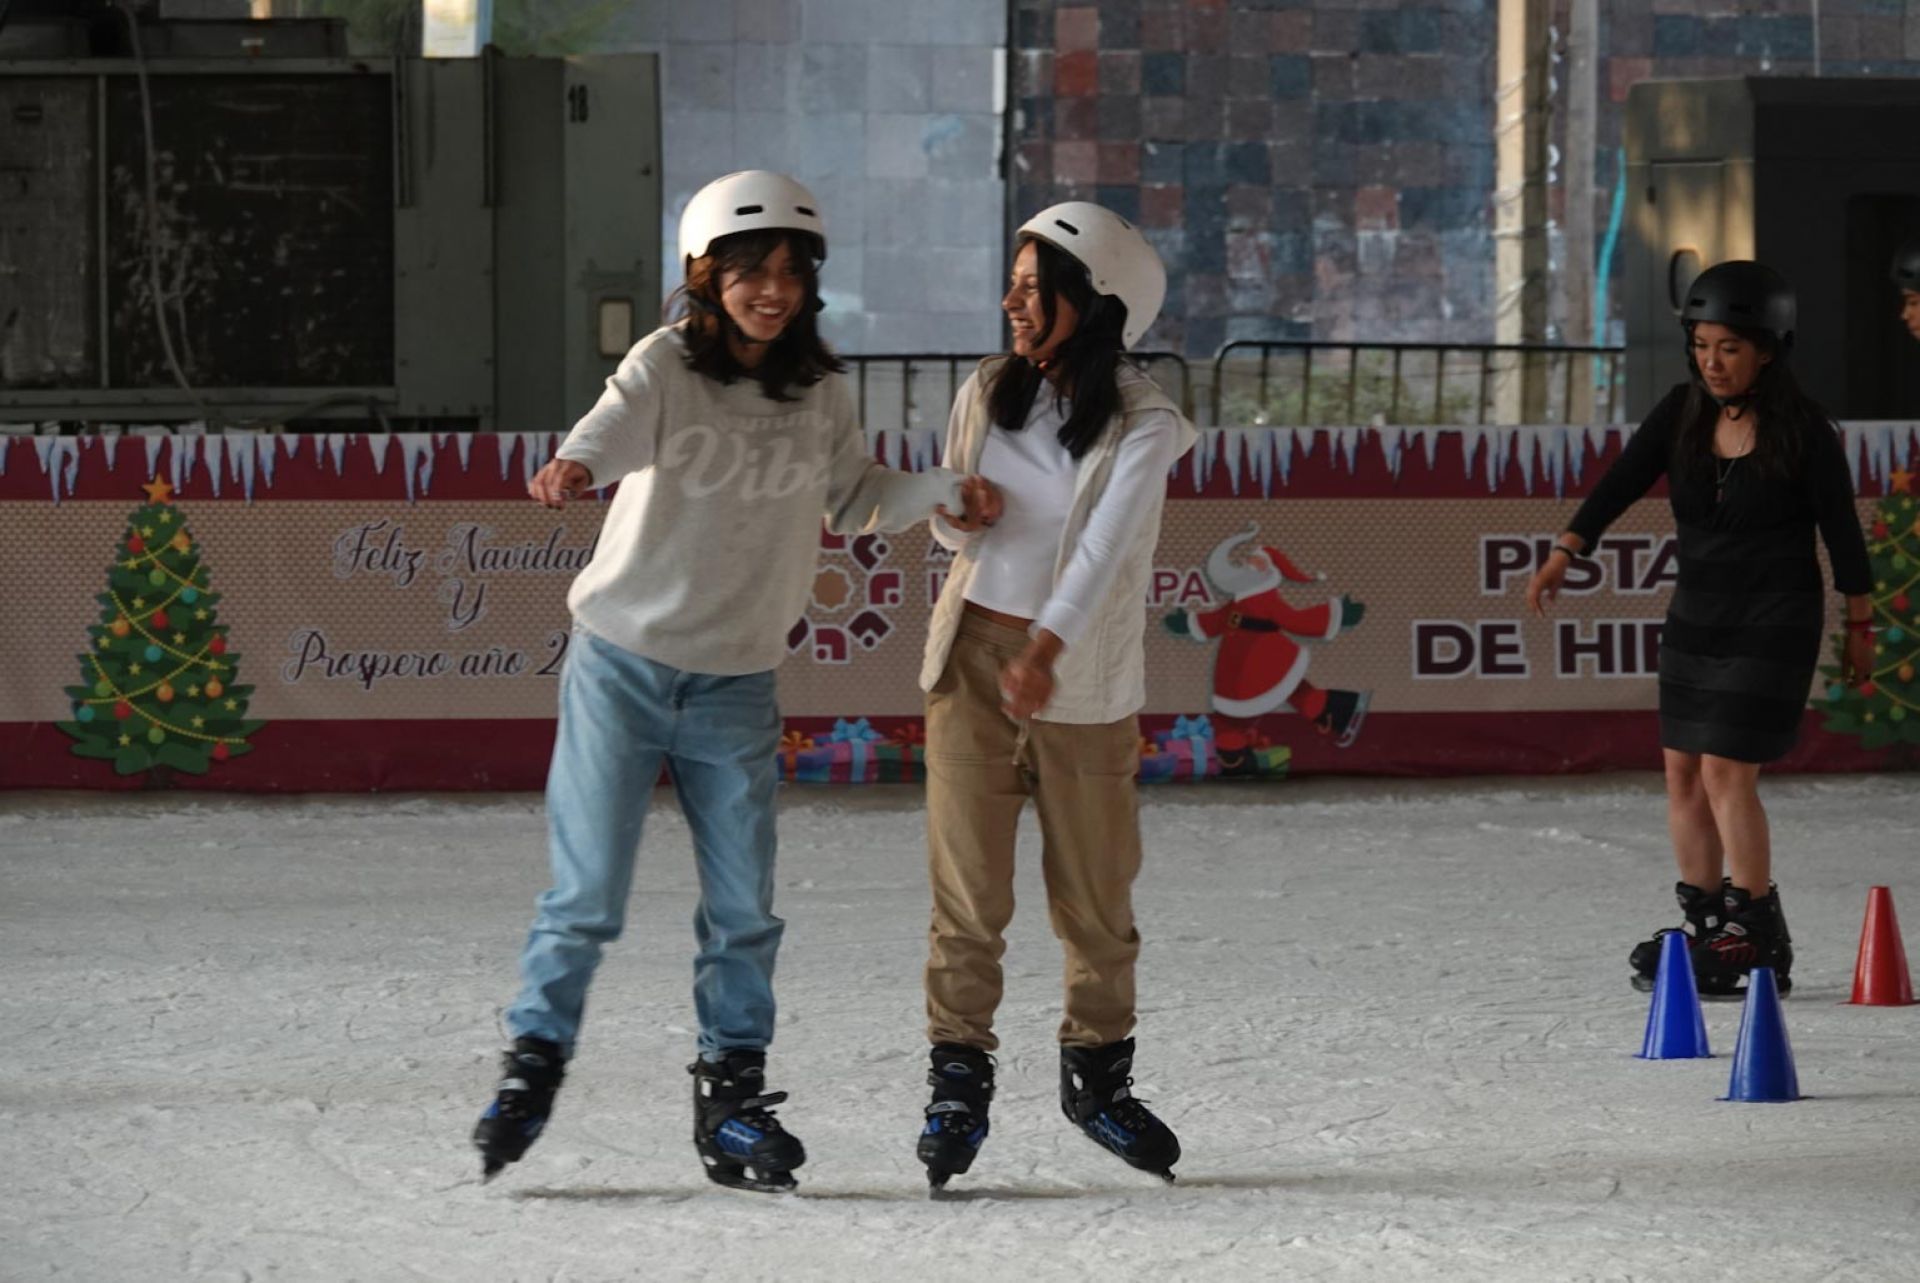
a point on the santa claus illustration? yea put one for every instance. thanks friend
(1262, 666)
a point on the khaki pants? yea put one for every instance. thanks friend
(1082, 781)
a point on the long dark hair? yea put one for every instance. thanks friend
(1088, 362)
(798, 358)
(1783, 417)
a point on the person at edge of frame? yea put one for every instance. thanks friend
(1905, 274)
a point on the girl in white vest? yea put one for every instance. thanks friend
(1034, 672)
(730, 433)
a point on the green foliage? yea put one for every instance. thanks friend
(1885, 711)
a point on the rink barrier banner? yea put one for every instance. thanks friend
(353, 612)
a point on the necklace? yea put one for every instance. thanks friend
(1723, 469)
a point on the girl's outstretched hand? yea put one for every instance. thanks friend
(558, 482)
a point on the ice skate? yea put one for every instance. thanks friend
(1754, 934)
(532, 1070)
(1701, 913)
(962, 1081)
(742, 1144)
(1096, 1094)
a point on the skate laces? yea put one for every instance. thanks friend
(754, 1111)
(1128, 1109)
(512, 1099)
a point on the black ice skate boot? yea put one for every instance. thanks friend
(1702, 912)
(1095, 1093)
(962, 1081)
(739, 1139)
(531, 1072)
(1342, 716)
(1753, 935)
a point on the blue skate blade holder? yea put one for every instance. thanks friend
(1762, 1061)
(1676, 1027)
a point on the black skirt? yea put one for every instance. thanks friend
(1741, 642)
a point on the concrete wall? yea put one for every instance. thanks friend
(887, 109)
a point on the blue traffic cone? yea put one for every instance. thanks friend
(1762, 1060)
(1676, 1028)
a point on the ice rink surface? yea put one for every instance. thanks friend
(246, 1039)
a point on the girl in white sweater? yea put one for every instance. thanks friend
(730, 433)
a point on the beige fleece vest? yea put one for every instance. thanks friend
(1103, 679)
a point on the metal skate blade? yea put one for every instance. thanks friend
(730, 1176)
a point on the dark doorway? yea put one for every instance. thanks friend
(1883, 359)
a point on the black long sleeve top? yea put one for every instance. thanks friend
(1819, 495)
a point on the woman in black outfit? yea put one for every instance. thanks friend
(1753, 467)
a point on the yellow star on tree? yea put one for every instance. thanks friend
(166, 518)
(199, 614)
(193, 692)
(126, 741)
(146, 532)
(1902, 482)
(134, 669)
(139, 603)
(131, 564)
(179, 639)
(157, 490)
(233, 705)
(103, 643)
(198, 722)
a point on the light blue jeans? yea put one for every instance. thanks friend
(621, 718)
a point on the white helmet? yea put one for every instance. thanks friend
(750, 201)
(1115, 254)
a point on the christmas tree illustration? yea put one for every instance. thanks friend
(1885, 708)
(158, 689)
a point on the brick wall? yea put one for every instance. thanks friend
(1326, 169)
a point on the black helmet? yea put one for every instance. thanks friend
(1742, 294)
(1906, 266)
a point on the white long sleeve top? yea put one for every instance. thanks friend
(1037, 476)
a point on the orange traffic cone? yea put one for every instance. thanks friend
(1880, 975)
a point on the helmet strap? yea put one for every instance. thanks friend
(1735, 406)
